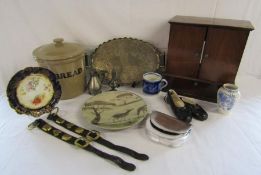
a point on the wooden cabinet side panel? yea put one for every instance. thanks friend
(185, 45)
(223, 53)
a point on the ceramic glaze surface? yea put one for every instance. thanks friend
(227, 96)
(115, 110)
(153, 83)
(35, 91)
(152, 77)
(66, 60)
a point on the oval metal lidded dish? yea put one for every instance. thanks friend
(33, 91)
(129, 57)
(168, 124)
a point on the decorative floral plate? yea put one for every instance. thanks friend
(115, 110)
(33, 91)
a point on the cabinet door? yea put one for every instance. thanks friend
(185, 46)
(222, 55)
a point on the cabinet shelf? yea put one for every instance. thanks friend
(193, 87)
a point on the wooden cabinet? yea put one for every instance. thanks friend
(204, 53)
(185, 47)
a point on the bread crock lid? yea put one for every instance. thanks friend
(58, 50)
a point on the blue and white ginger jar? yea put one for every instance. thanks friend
(227, 96)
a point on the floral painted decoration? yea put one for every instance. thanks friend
(33, 91)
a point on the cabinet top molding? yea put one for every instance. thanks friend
(204, 21)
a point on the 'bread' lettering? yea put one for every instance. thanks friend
(69, 74)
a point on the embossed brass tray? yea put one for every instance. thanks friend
(33, 91)
(115, 110)
(130, 58)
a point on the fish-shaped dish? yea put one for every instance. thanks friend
(115, 110)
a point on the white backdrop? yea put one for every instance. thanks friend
(27, 24)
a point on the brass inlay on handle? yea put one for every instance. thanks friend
(69, 125)
(56, 132)
(46, 127)
(79, 130)
(66, 137)
(59, 121)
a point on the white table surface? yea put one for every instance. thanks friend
(221, 145)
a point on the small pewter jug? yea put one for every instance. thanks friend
(94, 85)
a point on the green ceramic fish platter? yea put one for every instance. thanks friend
(115, 110)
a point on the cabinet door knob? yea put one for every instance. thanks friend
(197, 54)
(206, 56)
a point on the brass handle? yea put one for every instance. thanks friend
(202, 51)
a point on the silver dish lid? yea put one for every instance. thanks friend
(167, 123)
